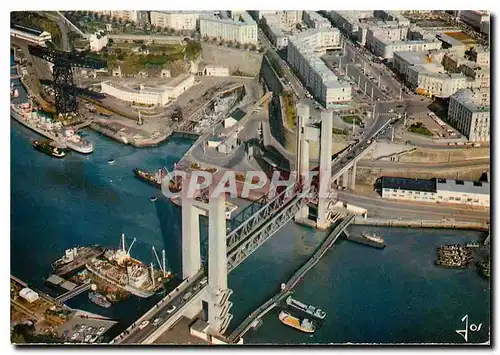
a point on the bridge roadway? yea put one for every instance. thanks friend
(164, 309)
(274, 301)
(242, 241)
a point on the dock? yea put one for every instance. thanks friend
(244, 327)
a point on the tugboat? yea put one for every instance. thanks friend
(305, 325)
(47, 147)
(99, 299)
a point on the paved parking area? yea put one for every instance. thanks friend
(84, 328)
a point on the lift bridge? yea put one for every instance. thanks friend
(229, 244)
(64, 86)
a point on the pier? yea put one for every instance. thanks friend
(74, 292)
(287, 290)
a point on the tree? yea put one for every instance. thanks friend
(110, 42)
(238, 45)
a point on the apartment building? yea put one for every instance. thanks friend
(178, 20)
(242, 30)
(303, 54)
(474, 18)
(469, 112)
(314, 20)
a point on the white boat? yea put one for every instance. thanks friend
(373, 237)
(24, 114)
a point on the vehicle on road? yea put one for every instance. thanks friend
(75, 336)
(171, 309)
(87, 338)
(82, 328)
(101, 330)
(186, 296)
(203, 282)
(144, 324)
(157, 321)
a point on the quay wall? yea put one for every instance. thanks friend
(368, 176)
(416, 223)
(235, 59)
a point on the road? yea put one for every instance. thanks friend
(165, 312)
(383, 208)
(390, 165)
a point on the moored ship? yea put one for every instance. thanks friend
(311, 310)
(120, 269)
(305, 325)
(157, 179)
(48, 148)
(99, 299)
(75, 258)
(24, 114)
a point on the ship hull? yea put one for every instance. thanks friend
(82, 150)
(48, 151)
(79, 263)
(294, 323)
(142, 178)
(128, 288)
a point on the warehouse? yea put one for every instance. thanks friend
(474, 193)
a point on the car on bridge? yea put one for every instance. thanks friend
(171, 309)
(157, 321)
(144, 324)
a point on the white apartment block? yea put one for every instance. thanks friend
(242, 30)
(469, 112)
(384, 32)
(158, 96)
(303, 54)
(273, 29)
(396, 16)
(178, 20)
(385, 48)
(481, 56)
(125, 15)
(98, 41)
(474, 18)
(315, 20)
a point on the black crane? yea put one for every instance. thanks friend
(64, 87)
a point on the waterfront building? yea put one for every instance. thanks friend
(474, 18)
(30, 34)
(177, 20)
(436, 190)
(98, 41)
(303, 54)
(314, 20)
(242, 30)
(29, 295)
(469, 112)
(147, 95)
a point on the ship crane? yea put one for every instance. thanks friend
(130, 247)
(160, 265)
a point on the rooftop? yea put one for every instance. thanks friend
(30, 30)
(464, 186)
(472, 100)
(400, 183)
(244, 17)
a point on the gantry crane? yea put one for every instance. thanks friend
(64, 87)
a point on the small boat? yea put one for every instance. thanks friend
(48, 148)
(111, 161)
(305, 325)
(311, 310)
(153, 198)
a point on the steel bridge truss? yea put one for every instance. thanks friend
(250, 223)
(276, 218)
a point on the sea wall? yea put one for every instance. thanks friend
(438, 223)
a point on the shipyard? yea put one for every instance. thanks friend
(237, 177)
